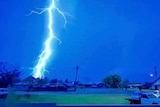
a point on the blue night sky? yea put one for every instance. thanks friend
(102, 37)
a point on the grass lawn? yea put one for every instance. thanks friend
(72, 99)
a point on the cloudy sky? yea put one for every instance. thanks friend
(102, 37)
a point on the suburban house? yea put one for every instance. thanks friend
(20, 86)
(70, 86)
(135, 85)
(156, 84)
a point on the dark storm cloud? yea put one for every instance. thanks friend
(103, 37)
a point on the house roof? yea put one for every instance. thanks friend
(67, 83)
(157, 81)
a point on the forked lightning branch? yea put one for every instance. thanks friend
(39, 69)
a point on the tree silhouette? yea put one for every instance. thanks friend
(112, 81)
(9, 74)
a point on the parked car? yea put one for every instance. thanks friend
(136, 95)
(135, 98)
(149, 98)
(156, 93)
(3, 92)
(143, 98)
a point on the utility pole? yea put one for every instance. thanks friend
(155, 71)
(77, 69)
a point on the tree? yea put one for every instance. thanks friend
(125, 83)
(66, 80)
(42, 81)
(54, 81)
(9, 74)
(112, 81)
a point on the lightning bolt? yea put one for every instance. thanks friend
(39, 69)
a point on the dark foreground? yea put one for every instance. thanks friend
(54, 105)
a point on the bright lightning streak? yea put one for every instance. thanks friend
(39, 69)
